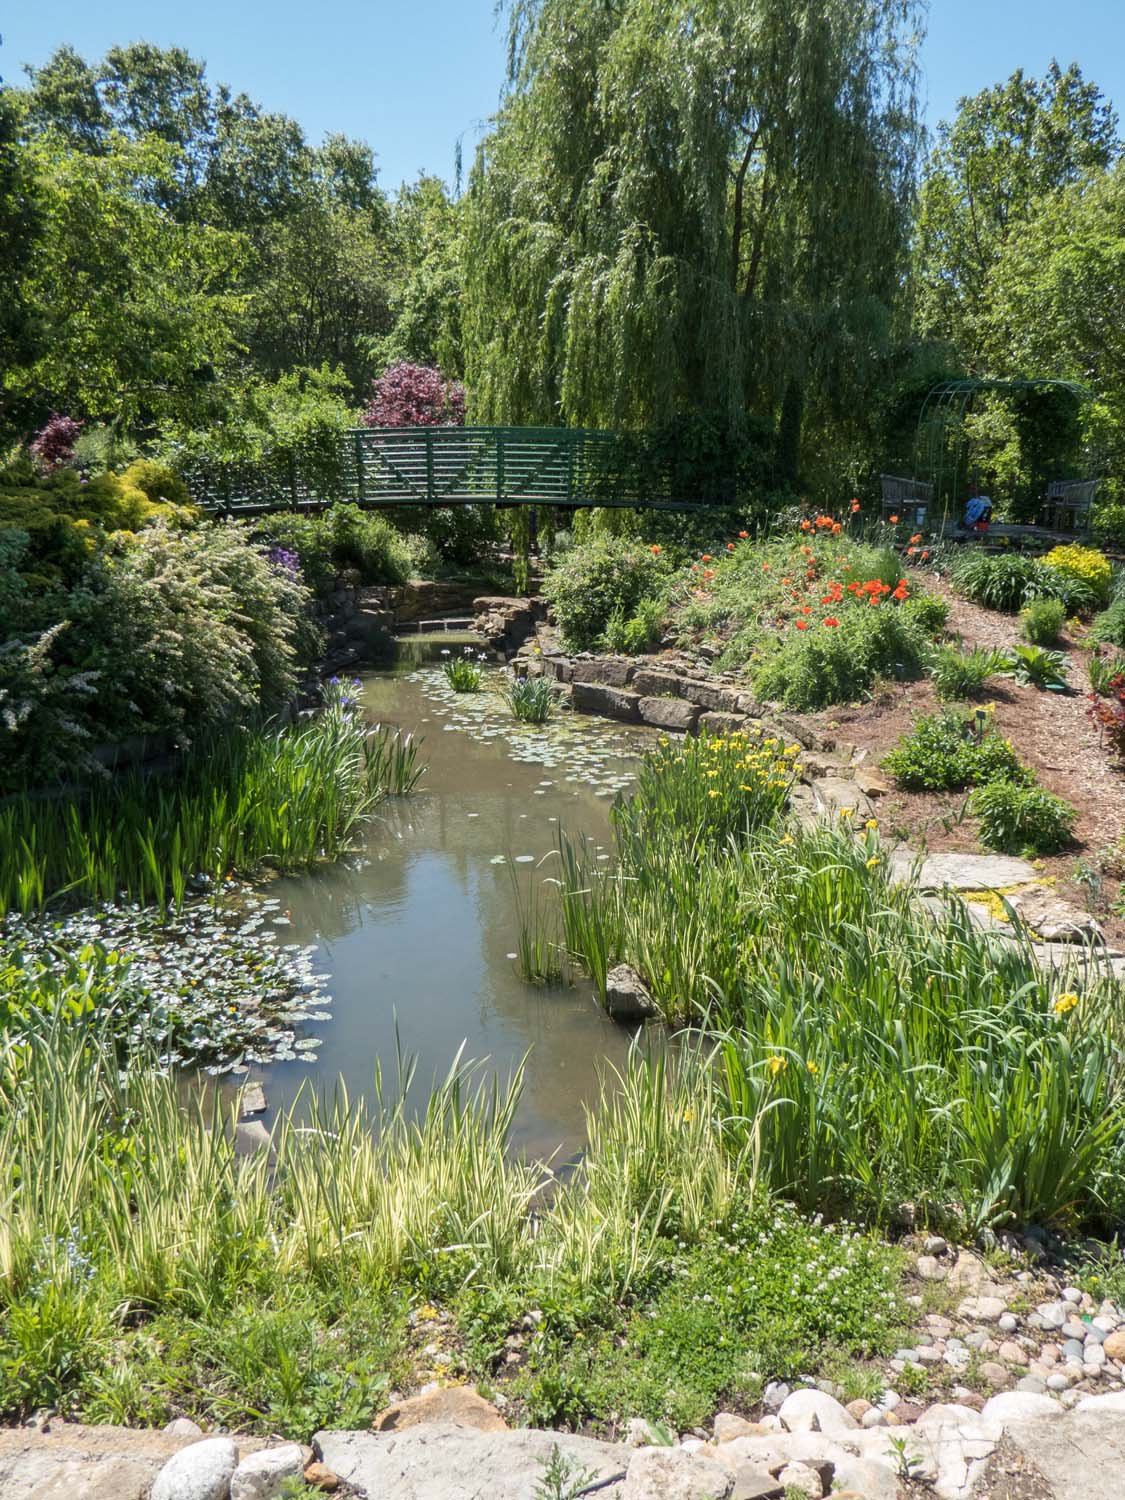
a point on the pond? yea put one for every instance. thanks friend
(418, 932)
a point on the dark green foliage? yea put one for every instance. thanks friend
(343, 537)
(942, 753)
(1008, 581)
(1108, 525)
(1109, 627)
(608, 577)
(1017, 819)
(811, 671)
(1042, 621)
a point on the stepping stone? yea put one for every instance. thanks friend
(962, 872)
(833, 795)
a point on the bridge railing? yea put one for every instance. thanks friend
(427, 466)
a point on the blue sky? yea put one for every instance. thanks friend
(413, 78)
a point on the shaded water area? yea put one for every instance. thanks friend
(418, 932)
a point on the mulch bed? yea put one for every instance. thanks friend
(1051, 732)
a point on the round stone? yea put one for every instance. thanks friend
(1054, 1314)
(1114, 1345)
(935, 1245)
(261, 1475)
(1058, 1381)
(1093, 1334)
(1072, 1294)
(201, 1471)
(1012, 1354)
(1032, 1384)
(1073, 1349)
(1007, 1322)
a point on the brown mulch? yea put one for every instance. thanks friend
(1051, 732)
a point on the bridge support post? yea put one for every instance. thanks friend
(360, 487)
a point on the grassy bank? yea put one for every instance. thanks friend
(873, 1052)
(147, 1270)
(286, 797)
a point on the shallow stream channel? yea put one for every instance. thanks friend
(416, 934)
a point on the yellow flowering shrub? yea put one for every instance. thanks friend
(1085, 563)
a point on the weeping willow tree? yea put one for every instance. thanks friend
(691, 209)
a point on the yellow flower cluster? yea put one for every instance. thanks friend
(1085, 563)
(1066, 1002)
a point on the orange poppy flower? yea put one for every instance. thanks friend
(806, 525)
(831, 620)
(836, 528)
(742, 535)
(855, 506)
(706, 557)
(730, 546)
(800, 624)
(894, 520)
(917, 537)
(655, 548)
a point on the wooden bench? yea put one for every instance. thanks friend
(911, 500)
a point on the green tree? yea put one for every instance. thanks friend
(1055, 303)
(425, 234)
(1010, 149)
(138, 311)
(691, 207)
(321, 293)
(20, 227)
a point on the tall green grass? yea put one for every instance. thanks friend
(873, 1053)
(123, 1202)
(287, 797)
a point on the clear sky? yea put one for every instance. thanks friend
(413, 77)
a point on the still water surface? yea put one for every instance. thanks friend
(418, 933)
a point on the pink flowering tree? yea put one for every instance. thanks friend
(53, 444)
(408, 395)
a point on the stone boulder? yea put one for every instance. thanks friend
(675, 1474)
(627, 998)
(1055, 920)
(263, 1475)
(201, 1471)
(721, 723)
(440, 1461)
(611, 702)
(669, 713)
(459, 1406)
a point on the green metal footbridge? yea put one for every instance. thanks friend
(389, 467)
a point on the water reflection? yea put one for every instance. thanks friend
(418, 933)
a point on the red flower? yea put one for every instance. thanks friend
(836, 528)
(765, 567)
(655, 548)
(806, 525)
(925, 555)
(800, 624)
(917, 537)
(831, 620)
(742, 535)
(894, 520)
(708, 574)
(730, 546)
(910, 551)
(706, 557)
(855, 506)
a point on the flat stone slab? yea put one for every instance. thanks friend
(439, 1461)
(962, 872)
(1080, 1455)
(73, 1462)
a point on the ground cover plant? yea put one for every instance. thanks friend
(1018, 819)
(1042, 621)
(603, 585)
(286, 797)
(946, 751)
(872, 1052)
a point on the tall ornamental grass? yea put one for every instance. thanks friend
(124, 1201)
(873, 1052)
(287, 797)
